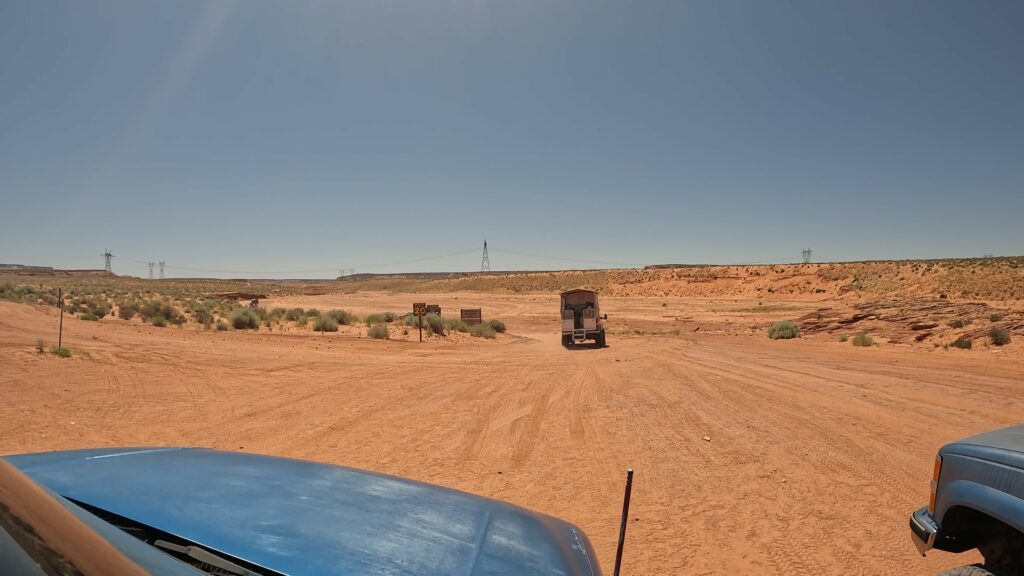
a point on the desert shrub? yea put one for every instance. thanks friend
(343, 317)
(127, 310)
(293, 314)
(435, 324)
(155, 308)
(101, 310)
(995, 317)
(381, 317)
(302, 321)
(961, 342)
(276, 313)
(843, 337)
(957, 323)
(222, 326)
(312, 313)
(159, 321)
(88, 316)
(202, 316)
(483, 331)
(455, 324)
(410, 320)
(497, 325)
(999, 336)
(325, 324)
(244, 319)
(40, 345)
(863, 339)
(63, 351)
(379, 330)
(783, 330)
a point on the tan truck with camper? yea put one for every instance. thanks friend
(581, 317)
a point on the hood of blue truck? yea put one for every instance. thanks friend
(298, 517)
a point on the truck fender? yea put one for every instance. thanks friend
(1004, 507)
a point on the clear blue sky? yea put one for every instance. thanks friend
(292, 139)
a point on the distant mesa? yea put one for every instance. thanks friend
(23, 270)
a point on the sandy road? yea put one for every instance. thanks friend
(818, 450)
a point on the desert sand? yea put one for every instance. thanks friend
(818, 450)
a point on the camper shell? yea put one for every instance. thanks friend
(581, 317)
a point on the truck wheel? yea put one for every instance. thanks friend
(566, 340)
(600, 339)
(972, 570)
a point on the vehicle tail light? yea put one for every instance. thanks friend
(935, 483)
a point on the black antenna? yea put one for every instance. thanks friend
(622, 526)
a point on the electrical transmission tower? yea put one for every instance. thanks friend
(806, 253)
(151, 270)
(485, 262)
(161, 270)
(107, 256)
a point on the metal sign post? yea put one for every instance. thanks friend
(60, 330)
(419, 309)
(622, 526)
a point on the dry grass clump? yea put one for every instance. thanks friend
(325, 324)
(783, 330)
(863, 339)
(379, 331)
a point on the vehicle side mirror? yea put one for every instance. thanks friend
(604, 317)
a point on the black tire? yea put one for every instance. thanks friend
(566, 340)
(972, 570)
(600, 339)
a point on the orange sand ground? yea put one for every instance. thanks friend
(819, 450)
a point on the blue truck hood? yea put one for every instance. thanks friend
(299, 517)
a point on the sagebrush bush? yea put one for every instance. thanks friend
(497, 325)
(312, 312)
(379, 330)
(957, 323)
(435, 324)
(343, 317)
(40, 345)
(325, 324)
(783, 330)
(302, 321)
(127, 310)
(244, 319)
(202, 316)
(863, 339)
(455, 324)
(222, 326)
(159, 321)
(999, 336)
(962, 342)
(482, 331)
(995, 317)
(381, 317)
(294, 314)
(88, 316)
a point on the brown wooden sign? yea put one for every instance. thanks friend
(472, 316)
(419, 309)
(434, 309)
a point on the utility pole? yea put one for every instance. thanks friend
(161, 270)
(806, 253)
(107, 256)
(60, 330)
(151, 270)
(485, 262)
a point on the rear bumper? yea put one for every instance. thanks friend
(923, 530)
